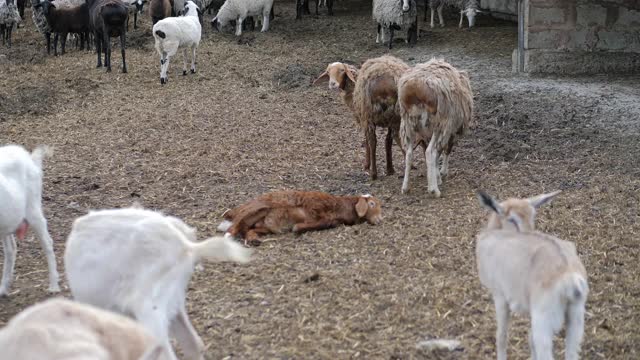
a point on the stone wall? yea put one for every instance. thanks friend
(502, 9)
(582, 36)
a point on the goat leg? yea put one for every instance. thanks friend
(314, 225)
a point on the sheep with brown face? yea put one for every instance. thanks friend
(298, 211)
(436, 105)
(371, 93)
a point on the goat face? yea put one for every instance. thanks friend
(406, 5)
(338, 74)
(369, 209)
(514, 214)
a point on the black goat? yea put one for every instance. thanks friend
(108, 18)
(302, 7)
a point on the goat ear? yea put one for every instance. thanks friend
(489, 202)
(361, 207)
(321, 77)
(350, 73)
(540, 200)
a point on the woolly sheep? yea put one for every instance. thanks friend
(436, 103)
(9, 17)
(160, 9)
(66, 20)
(470, 8)
(532, 273)
(21, 207)
(239, 10)
(394, 15)
(371, 93)
(60, 329)
(139, 262)
(173, 33)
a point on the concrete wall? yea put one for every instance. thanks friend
(582, 36)
(504, 6)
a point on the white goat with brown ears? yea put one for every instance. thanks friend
(532, 273)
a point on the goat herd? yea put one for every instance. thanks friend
(138, 263)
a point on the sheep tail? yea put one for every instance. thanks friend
(161, 34)
(40, 153)
(218, 249)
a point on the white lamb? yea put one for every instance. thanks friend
(175, 32)
(21, 207)
(60, 329)
(531, 273)
(239, 10)
(139, 262)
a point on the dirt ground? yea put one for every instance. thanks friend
(250, 121)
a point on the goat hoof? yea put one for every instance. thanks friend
(405, 191)
(193, 71)
(124, 70)
(184, 72)
(436, 193)
(163, 81)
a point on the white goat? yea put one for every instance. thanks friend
(60, 329)
(21, 206)
(532, 273)
(175, 32)
(239, 10)
(139, 262)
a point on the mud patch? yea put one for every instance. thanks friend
(294, 76)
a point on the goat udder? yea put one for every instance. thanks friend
(21, 231)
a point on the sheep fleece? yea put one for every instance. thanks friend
(389, 12)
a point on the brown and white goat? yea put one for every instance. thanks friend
(532, 273)
(160, 9)
(298, 211)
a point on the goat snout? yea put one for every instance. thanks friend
(405, 8)
(334, 85)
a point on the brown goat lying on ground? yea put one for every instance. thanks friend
(298, 211)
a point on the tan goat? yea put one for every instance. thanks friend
(436, 103)
(532, 273)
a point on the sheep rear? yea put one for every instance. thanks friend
(417, 97)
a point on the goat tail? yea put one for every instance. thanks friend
(40, 153)
(161, 34)
(220, 249)
(575, 287)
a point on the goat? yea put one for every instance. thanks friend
(160, 9)
(172, 33)
(298, 211)
(59, 329)
(108, 18)
(21, 207)
(532, 273)
(436, 103)
(64, 21)
(139, 262)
